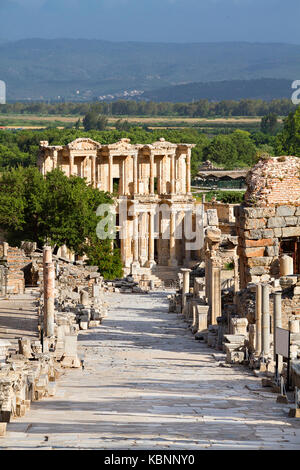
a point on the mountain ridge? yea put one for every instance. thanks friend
(48, 68)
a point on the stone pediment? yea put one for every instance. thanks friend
(123, 145)
(163, 144)
(83, 144)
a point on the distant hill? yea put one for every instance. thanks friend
(264, 88)
(83, 69)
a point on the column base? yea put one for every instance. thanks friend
(135, 266)
(173, 263)
(150, 263)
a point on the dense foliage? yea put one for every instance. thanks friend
(288, 141)
(199, 108)
(56, 209)
(227, 197)
(237, 149)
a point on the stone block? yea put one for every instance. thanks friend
(260, 261)
(70, 362)
(277, 232)
(257, 212)
(253, 224)
(83, 325)
(275, 222)
(254, 252)
(25, 347)
(257, 270)
(70, 347)
(291, 232)
(2, 429)
(51, 389)
(272, 250)
(294, 413)
(4, 346)
(291, 221)
(233, 357)
(212, 217)
(285, 211)
(259, 234)
(239, 326)
(20, 410)
(260, 243)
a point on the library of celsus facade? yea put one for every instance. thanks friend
(144, 179)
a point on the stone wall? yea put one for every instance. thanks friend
(260, 230)
(275, 180)
(16, 260)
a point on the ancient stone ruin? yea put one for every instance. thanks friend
(241, 318)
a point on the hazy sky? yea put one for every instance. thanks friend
(153, 20)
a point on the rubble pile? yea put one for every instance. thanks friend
(26, 375)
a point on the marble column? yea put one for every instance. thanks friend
(151, 189)
(277, 323)
(258, 306)
(135, 240)
(55, 155)
(236, 275)
(124, 176)
(265, 340)
(93, 171)
(135, 174)
(49, 286)
(173, 173)
(71, 165)
(188, 172)
(185, 286)
(172, 260)
(151, 261)
(286, 264)
(110, 173)
(215, 292)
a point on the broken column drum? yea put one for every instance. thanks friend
(265, 320)
(277, 323)
(49, 286)
(185, 285)
(258, 318)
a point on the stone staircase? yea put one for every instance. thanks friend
(160, 275)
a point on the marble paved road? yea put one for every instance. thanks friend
(147, 384)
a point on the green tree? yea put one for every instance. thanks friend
(288, 141)
(269, 124)
(108, 260)
(245, 148)
(94, 120)
(56, 209)
(222, 150)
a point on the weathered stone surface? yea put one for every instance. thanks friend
(285, 211)
(259, 243)
(254, 252)
(277, 232)
(272, 250)
(291, 232)
(257, 270)
(257, 212)
(291, 221)
(260, 261)
(212, 217)
(253, 224)
(275, 222)
(259, 233)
